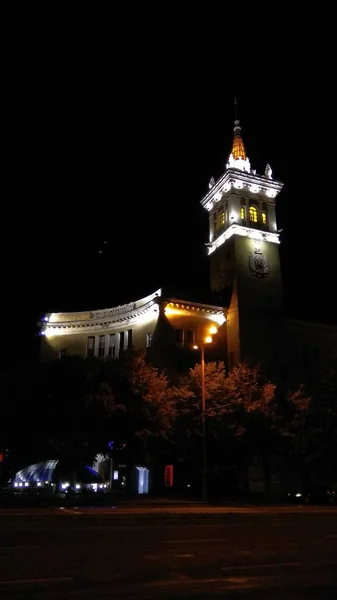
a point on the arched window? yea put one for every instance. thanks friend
(253, 214)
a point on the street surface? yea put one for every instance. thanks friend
(281, 553)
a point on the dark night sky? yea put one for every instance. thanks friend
(120, 120)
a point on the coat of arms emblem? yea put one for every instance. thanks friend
(258, 264)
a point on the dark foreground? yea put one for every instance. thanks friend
(281, 555)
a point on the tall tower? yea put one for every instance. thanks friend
(243, 250)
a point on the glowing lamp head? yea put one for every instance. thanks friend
(208, 340)
(213, 330)
(195, 347)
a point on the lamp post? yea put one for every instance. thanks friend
(208, 340)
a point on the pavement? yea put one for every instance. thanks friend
(281, 553)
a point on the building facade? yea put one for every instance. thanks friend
(243, 251)
(167, 327)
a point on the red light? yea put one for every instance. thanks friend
(168, 477)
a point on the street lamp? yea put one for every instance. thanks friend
(208, 340)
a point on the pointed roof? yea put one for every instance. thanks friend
(238, 148)
(238, 158)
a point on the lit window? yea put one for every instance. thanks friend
(253, 214)
(227, 215)
(242, 212)
(101, 345)
(264, 218)
(91, 346)
(222, 219)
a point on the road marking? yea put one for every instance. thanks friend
(37, 580)
(196, 541)
(243, 582)
(262, 566)
(19, 547)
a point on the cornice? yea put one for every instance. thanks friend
(241, 180)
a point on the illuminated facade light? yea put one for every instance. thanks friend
(254, 234)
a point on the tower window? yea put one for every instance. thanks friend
(179, 336)
(264, 218)
(242, 212)
(215, 221)
(148, 339)
(91, 346)
(222, 219)
(227, 216)
(253, 214)
(101, 345)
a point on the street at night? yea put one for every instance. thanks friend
(272, 552)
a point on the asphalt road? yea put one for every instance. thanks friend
(87, 554)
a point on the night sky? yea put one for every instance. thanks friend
(119, 121)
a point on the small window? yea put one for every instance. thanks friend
(228, 254)
(264, 218)
(91, 346)
(112, 345)
(253, 214)
(101, 345)
(179, 336)
(242, 212)
(189, 336)
(215, 222)
(226, 216)
(148, 339)
(63, 353)
(243, 201)
(222, 219)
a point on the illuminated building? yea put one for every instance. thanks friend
(243, 250)
(244, 255)
(166, 326)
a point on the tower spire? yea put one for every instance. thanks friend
(236, 108)
(238, 148)
(238, 158)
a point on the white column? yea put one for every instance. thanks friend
(117, 344)
(96, 345)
